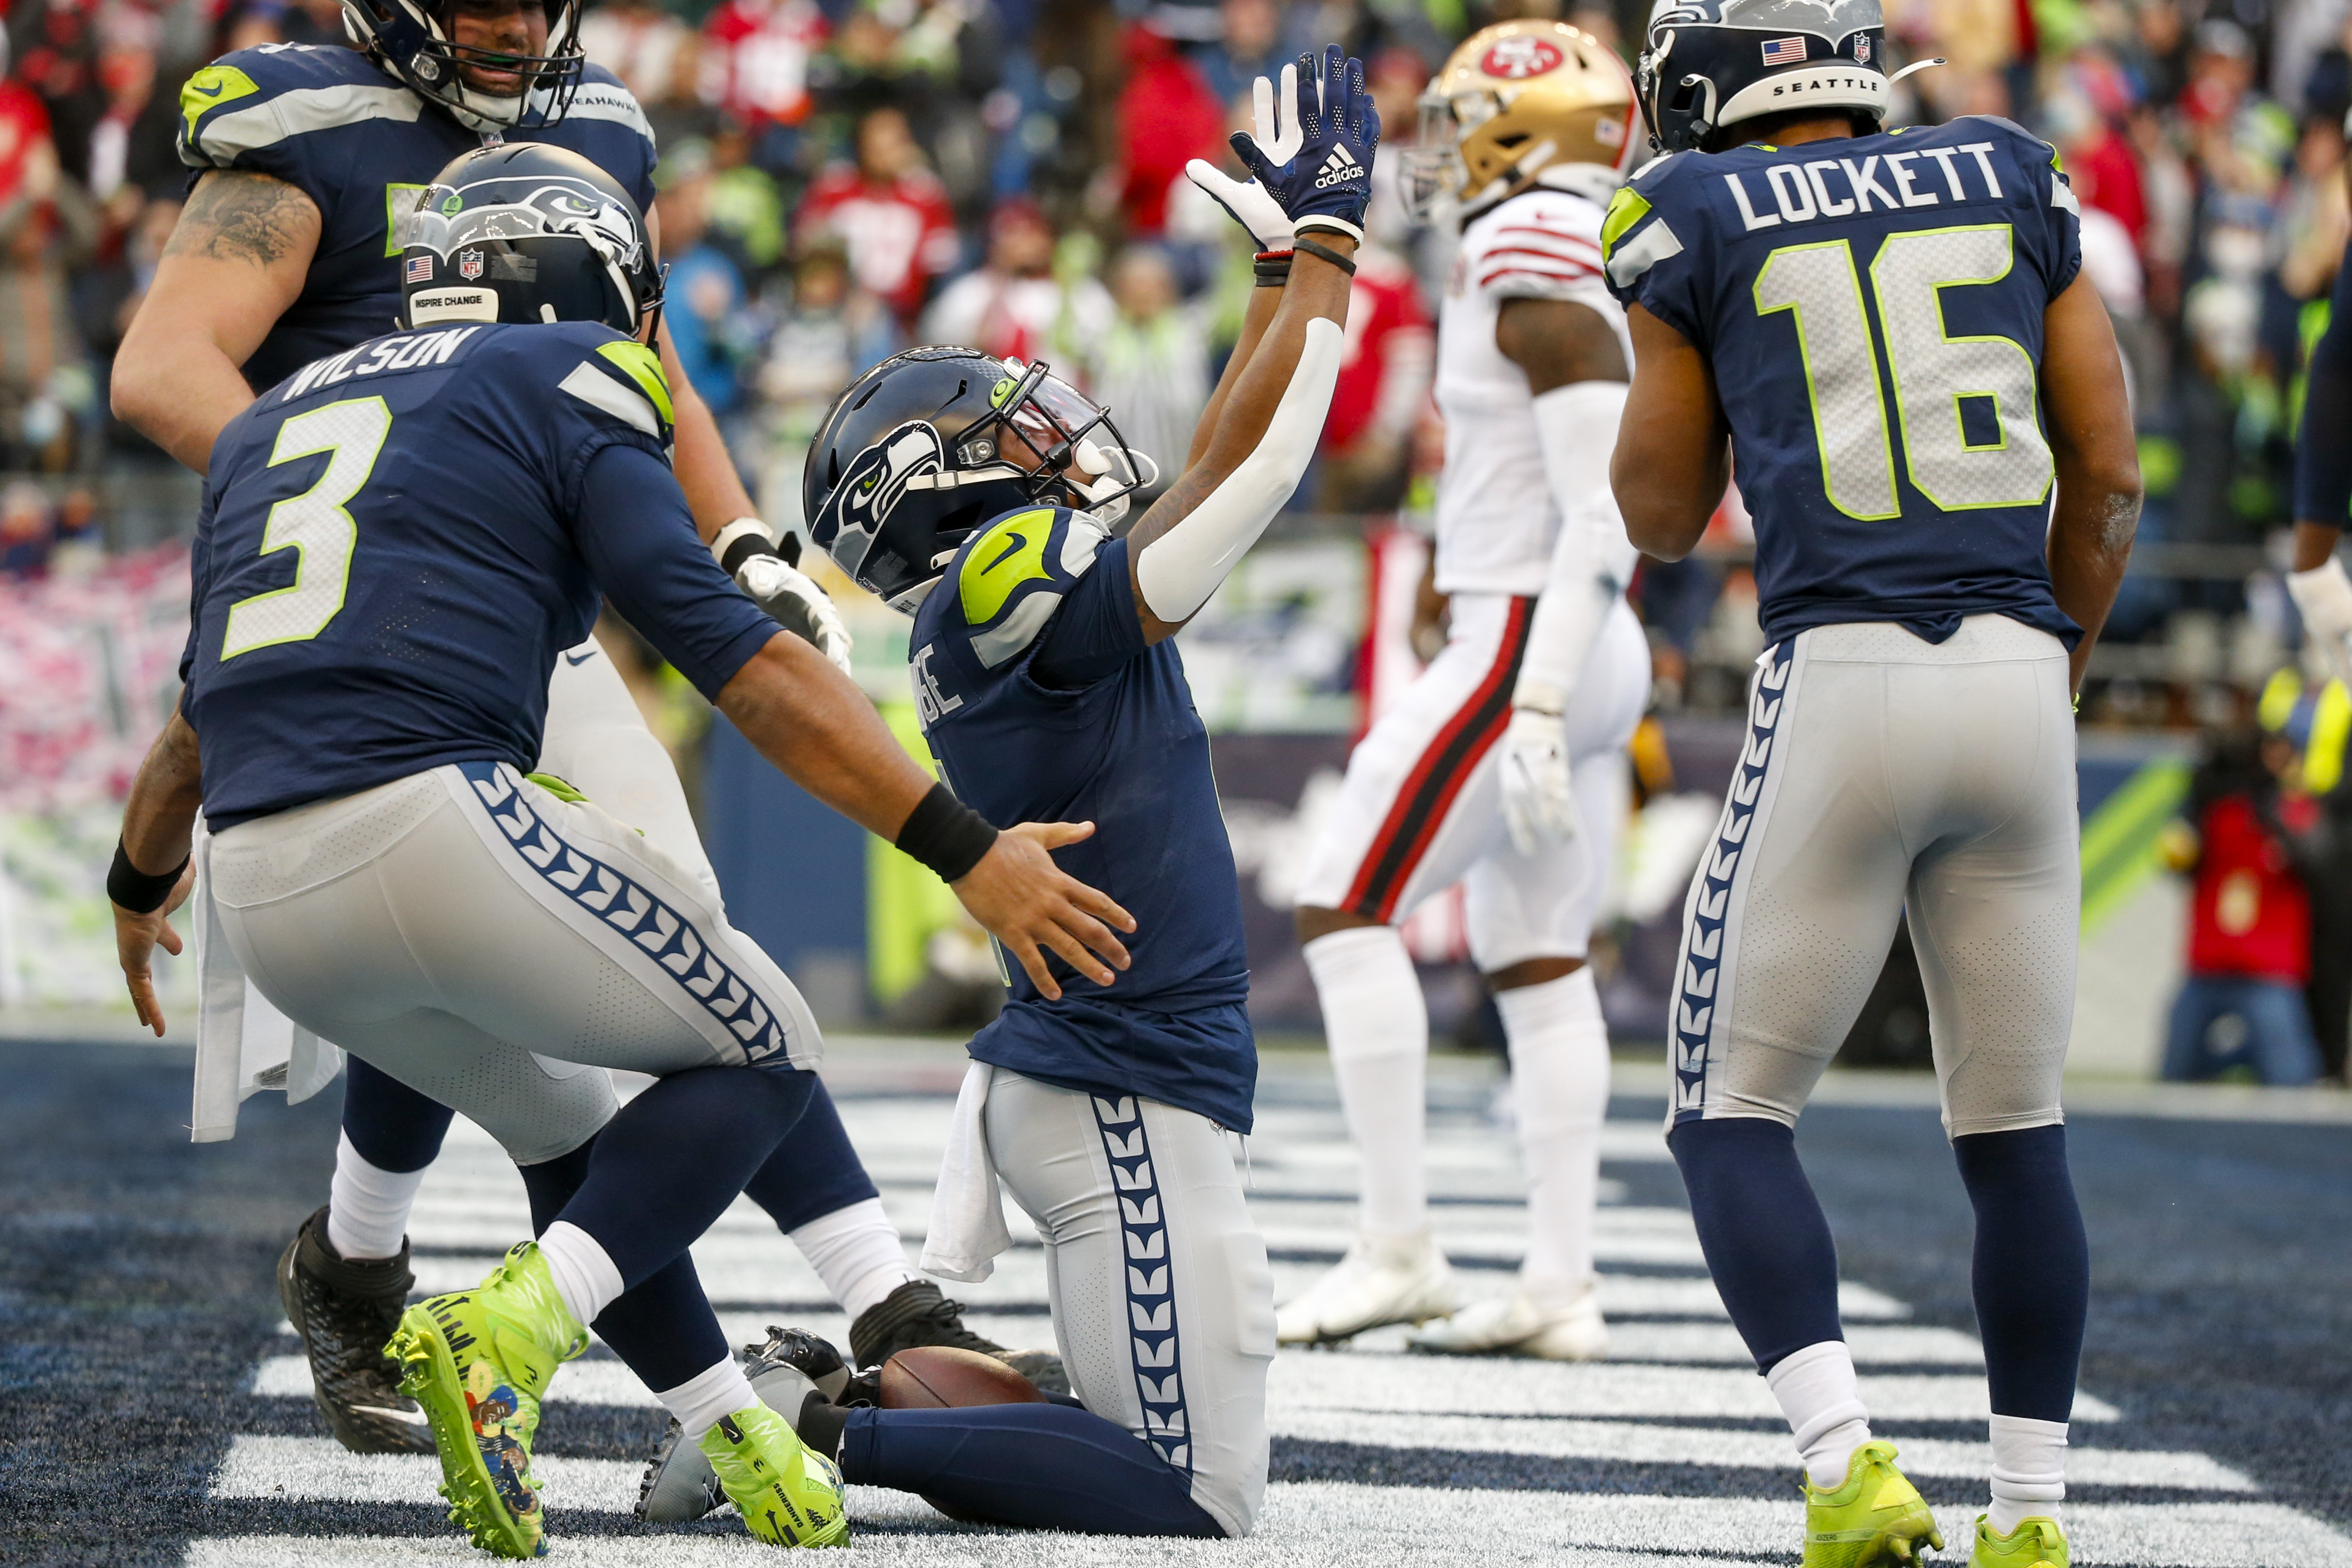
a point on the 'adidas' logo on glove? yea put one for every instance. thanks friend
(1337, 170)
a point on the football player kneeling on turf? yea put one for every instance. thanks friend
(987, 499)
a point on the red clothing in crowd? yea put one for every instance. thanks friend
(757, 58)
(900, 233)
(2106, 175)
(1167, 117)
(24, 125)
(2249, 914)
(1387, 355)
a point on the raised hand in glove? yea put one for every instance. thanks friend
(778, 586)
(1249, 203)
(1323, 179)
(1537, 808)
(2324, 597)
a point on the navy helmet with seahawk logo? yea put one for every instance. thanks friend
(935, 443)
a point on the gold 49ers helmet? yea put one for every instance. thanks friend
(1518, 98)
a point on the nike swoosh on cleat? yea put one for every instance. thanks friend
(412, 1418)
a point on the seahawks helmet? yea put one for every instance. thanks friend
(928, 446)
(526, 232)
(410, 39)
(1710, 63)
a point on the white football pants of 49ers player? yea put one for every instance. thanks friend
(1422, 807)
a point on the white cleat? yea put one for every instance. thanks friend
(1513, 1325)
(1382, 1279)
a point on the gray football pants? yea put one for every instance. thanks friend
(1163, 1303)
(1884, 773)
(489, 946)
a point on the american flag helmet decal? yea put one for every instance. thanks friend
(1784, 51)
(418, 271)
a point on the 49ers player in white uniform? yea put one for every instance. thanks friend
(1503, 768)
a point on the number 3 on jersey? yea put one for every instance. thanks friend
(313, 524)
(1940, 381)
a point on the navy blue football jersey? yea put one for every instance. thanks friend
(1872, 311)
(1042, 702)
(397, 542)
(361, 147)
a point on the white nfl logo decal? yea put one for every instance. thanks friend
(469, 265)
(1862, 50)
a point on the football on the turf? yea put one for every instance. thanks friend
(934, 1378)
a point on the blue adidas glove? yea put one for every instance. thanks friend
(1319, 167)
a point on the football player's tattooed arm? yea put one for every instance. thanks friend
(157, 822)
(714, 492)
(812, 723)
(1672, 460)
(1268, 420)
(235, 261)
(2096, 451)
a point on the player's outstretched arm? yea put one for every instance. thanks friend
(151, 873)
(2097, 453)
(2323, 486)
(1673, 459)
(1267, 414)
(816, 726)
(1576, 374)
(235, 261)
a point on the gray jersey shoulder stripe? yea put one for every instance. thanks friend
(1635, 256)
(1016, 631)
(299, 112)
(592, 386)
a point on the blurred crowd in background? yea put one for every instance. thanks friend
(842, 179)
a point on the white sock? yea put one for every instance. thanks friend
(1822, 1400)
(701, 1400)
(367, 1208)
(1377, 1026)
(584, 1272)
(1560, 1084)
(856, 1253)
(2029, 1471)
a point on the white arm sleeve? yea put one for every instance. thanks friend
(1591, 560)
(1182, 567)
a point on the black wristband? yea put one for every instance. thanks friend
(743, 550)
(945, 834)
(1324, 253)
(1273, 269)
(133, 889)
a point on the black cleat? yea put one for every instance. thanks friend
(344, 1311)
(916, 1313)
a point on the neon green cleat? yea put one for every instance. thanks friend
(787, 1494)
(2036, 1542)
(479, 1363)
(1875, 1516)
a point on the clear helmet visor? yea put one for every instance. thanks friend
(1430, 171)
(1050, 426)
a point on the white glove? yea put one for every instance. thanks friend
(798, 604)
(2324, 596)
(1250, 204)
(1537, 806)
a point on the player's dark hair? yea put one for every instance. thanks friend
(1768, 128)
